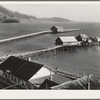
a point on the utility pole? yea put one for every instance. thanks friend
(50, 74)
(88, 82)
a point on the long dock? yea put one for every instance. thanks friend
(71, 30)
(24, 36)
(35, 54)
(33, 35)
(42, 52)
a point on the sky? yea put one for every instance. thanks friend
(78, 11)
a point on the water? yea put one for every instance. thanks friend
(86, 60)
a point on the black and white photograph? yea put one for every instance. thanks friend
(49, 45)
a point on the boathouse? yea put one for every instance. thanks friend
(95, 39)
(20, 71)
(66, 40)
(82, 37)
(57, 29)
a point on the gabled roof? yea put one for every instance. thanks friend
(11, 64)
(20, 68)
(47, 84)
(59, 28)
(80, 83)
(68, 39)
(57, 78)
(84, 36)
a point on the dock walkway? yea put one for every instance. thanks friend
(31, 53)
(33, 35)
(24, 36)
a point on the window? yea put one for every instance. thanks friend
(6, 75)
(12, 78)
(15, 79)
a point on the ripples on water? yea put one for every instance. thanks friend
(86, 60)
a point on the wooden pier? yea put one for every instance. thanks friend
(32, 35)
(71, 30)
(24, 36)
(52, 51)
(48, 51)
(42, 52)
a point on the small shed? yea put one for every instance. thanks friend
(82, 37)
(66, 40)
(57, 29)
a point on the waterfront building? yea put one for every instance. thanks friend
(66, 40)
(96, 39)
(57, 29)
(82, 37)
(20, 71)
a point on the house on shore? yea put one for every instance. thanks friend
(57, 29)
(21, 72)
(66, 40)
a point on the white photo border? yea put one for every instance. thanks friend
(50, 94)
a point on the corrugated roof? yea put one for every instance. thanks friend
(68, 39)
(80, 83)
(20, 68)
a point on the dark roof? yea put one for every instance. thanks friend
(47, 84)
(11, 64)
(80, 83)
(20, 68)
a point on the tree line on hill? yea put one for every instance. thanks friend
(8, 16)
